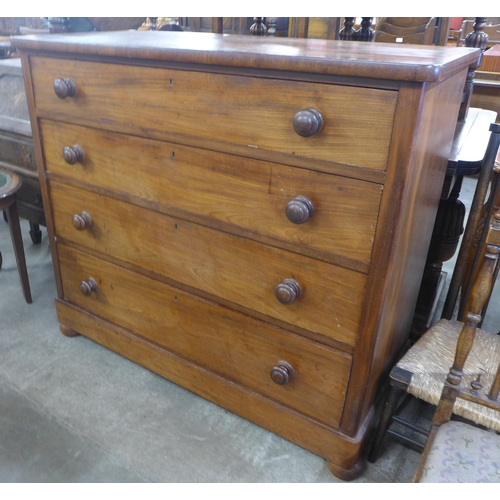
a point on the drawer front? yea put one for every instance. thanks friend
(251, 194)
(245, 111)
(16, 151)
(238, 347)
(233, 268)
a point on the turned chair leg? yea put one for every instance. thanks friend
(17, 242)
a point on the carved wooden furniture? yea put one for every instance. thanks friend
(492, 32)
(10, 25)
(457, 451)
(415, 30)
(467, 157)
(491, 60)
(486, 92)
(9, 186)
(449, 220)
(329, 28)
(483, 203)
(415, 373)
(17, 153)
(223, 214)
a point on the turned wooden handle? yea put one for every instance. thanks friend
(288, 291)
(64, 87)
(299, 210)
(73, 154)
(88, 286)
(282, 373)
(82, 221)
(307, 122)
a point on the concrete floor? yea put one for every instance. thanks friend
(72, 411)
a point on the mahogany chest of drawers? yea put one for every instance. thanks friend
(246, 217)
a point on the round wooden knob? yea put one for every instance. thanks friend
(299, 210)
(307, 122)
(73, 154)
(88, 286)
(288, 291)
(82, 221)
(64, 88)
(282, 373)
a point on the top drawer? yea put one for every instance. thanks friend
(245, 111)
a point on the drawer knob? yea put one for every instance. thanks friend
(307, 122)
(82, 221)
(73, 154)
(64, 88)
(88, 286)
(288, 291)
(282, 373)
(299, 210)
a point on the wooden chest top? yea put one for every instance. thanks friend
(325, 57)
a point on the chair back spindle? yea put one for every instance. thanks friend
(476, 39)
(481, 290)
(482, 203)
(348, 32)
(258, 28)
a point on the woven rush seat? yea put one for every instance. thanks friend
(425, 366)
(458, 452)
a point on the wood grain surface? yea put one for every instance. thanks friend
(233, 268)
(253, 113)
(280, 419)
(190, 156)
(231, 344)
(354, 59)
(240, 192)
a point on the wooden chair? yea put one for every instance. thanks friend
(414, 375)
(493, 32)
(456, 451)
(486, 199)
(415, 30)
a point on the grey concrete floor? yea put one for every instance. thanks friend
(72, 411)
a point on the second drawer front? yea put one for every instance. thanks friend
(239, 191)
(231, 344)
(248, 112)
(235, 269)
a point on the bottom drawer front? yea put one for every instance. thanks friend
(232, 344)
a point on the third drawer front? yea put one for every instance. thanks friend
(242, 192)
(284, 367)
(327, 301)
(248, 112)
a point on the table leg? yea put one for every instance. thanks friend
(17, 241)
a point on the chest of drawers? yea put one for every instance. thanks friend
(247, 218)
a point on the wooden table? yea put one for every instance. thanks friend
(486, 92)
(466, 156)
(491, 60)
(10, 184)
